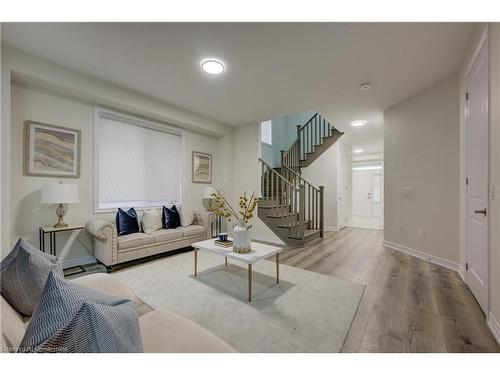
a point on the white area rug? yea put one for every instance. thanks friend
(306, 312)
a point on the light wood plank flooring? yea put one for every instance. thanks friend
(409, 305)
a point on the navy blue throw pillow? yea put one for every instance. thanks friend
(126, 222)
(171, 218)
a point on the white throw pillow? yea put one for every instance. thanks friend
(186, 215)
(151, 221)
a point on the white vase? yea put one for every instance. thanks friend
(241, 238)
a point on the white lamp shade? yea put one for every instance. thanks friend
(60, 193)
(207, 192)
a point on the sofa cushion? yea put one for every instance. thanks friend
(130, 241)
(194, 230)
(166, 332)
(13, 327)
(75, 319)
(164, 235)
(186, 215)
(126, 222)
(151, 221)
(23, 274)
(171, 218)
(106, 284)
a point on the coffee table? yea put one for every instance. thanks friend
(259, 251)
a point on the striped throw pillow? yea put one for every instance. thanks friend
(71, 318)
(23, 274)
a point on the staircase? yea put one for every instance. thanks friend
(291, 206)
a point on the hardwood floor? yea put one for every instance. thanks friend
(409, 305)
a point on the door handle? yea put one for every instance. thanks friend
(483, 211)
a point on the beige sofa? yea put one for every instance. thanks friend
(111, 249)
(161, 331)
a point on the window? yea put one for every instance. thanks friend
(266, 132)
(137, 163)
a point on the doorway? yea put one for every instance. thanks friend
(368, 196)
(476, 266)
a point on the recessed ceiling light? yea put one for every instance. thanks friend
(212, 66)
(357, 151)
(365, 86)
(358, 123)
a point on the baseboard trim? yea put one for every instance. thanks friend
(331, 229)
(422, 255)
(494, 326)
(271, 239)
(75, 262)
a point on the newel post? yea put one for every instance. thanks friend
(299, 144)
(302, 208)
(321, 211)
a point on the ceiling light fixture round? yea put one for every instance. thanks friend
(365, 86)
(358, 123)
(357, 150)
(212, 66)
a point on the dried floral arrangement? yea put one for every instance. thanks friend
(220, 206)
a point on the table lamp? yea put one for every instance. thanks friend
(207, 192)
(59, 193)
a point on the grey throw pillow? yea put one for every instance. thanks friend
(71, 318)
(23, 274)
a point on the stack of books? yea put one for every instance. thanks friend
(225, 243)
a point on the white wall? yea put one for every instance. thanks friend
(421, 152)
(323, 172)
(494, 177)
(246, 173)
(69, 101)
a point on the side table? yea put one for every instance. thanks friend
(51, 231)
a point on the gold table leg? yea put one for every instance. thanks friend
(195, 261)
(226, 260)
(277, 268)
(249, 283)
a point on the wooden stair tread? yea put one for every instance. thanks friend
(292, 225)
(308, 233)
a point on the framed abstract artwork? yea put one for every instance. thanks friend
(202, 168)
(51, 151)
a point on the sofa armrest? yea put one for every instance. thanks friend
(105, 241)
(205, 219)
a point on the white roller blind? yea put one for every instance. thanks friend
(139, 163)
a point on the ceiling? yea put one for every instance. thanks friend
(272, 69)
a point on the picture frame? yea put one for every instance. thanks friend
(51, 150)
(201, 168)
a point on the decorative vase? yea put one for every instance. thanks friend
(241, 238)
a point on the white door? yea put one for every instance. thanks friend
(367, 197)
(477, 174)
(361, 192)
(342, 187)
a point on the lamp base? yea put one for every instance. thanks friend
(60, 224)
(60, 214)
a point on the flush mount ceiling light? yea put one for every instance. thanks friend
(365, 86)
(357, 150)
(212, 66)
(358, 123)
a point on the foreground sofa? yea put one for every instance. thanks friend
(111, 249)
(161, 331)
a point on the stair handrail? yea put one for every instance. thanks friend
(311, 198)
(308, 121)
(309, 136)
(279, 175)
(298, 176)
(278, 193)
